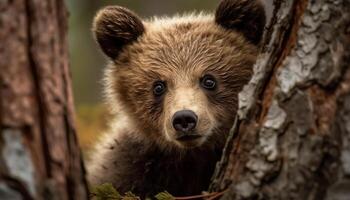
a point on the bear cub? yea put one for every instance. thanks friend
(172, 86)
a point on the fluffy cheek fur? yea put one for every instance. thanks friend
(136, 96)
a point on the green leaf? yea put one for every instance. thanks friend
(106, 191)
(130, 196)
(164, 196)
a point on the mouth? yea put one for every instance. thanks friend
(188, 137)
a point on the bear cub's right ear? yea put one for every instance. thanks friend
(114, 27)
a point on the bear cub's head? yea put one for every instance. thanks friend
(177, 79)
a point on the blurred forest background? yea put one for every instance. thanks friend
(87, 62)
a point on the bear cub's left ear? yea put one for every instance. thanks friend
(114, 27)
(245, 16)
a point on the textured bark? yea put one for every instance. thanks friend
(39, 155)
(291, 139)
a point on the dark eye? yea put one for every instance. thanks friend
(208, 82)
(159, 88)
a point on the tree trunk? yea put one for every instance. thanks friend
(39, 154)
(291, 138)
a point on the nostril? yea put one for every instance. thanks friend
(184, 120)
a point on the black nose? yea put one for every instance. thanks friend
(184, 120)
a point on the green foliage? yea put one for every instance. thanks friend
(164, 196)
(106, 191)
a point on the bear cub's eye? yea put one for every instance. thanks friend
(208, 82)
(159, 88)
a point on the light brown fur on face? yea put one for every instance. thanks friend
(142, 151)
(180, 53)
(188, 97)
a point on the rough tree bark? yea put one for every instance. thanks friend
(39, 155)
(291, 138)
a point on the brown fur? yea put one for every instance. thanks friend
(247, 16)
(115, 27)
(140, 153)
